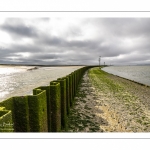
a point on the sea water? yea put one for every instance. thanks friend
(20, 80)
(139, 74)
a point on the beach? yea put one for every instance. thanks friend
(108, 103)
(21, 80)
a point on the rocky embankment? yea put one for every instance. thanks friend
(107, 103)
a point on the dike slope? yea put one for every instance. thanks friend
(108, 103)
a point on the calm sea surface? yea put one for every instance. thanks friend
(139, 74)
(18, 81)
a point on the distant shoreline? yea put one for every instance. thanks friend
(40, 65)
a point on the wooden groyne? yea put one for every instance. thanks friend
(44, 111)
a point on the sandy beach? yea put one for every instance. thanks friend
(21, 80)
(108, 103)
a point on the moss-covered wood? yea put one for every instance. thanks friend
(75, 81)
(77, 76)
(55, 98)
(38, 111)
(6, 123)
(47, 89)
(8, 104)
(21, 114)
(46, 109)
(72, 74)
(63, 103)
(67, 94)
(70, 89)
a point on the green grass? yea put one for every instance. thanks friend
(104, 83)
(101, 80)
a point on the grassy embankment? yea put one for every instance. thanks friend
(114, 104)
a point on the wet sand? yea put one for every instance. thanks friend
(21, 80)
(111, 105)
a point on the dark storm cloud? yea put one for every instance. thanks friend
(116, 40)
(62, 43)
(20, 30)
(50, 40)
(5, 52)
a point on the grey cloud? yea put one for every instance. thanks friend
(131, 59)
(44, 56)
(19, 30)
(43, 19)
(31, 48)
(50, 40)
(74, 31)
(107, 41)
(126, 27)
(64, 43)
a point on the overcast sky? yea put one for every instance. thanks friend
(75, 41)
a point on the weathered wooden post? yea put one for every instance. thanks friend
(63, 102)
(21, 114)
(55, 97)
(38, 111)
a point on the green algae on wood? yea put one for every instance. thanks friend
(8, 105)
(75, 81)
(63, 102)
(67, 95)
(47, 89)
(70, 89)
(72, 85)
(55, 98)
(38, 111)
(21, 117)
(6, 123)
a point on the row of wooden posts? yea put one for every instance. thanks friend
(44, 111)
